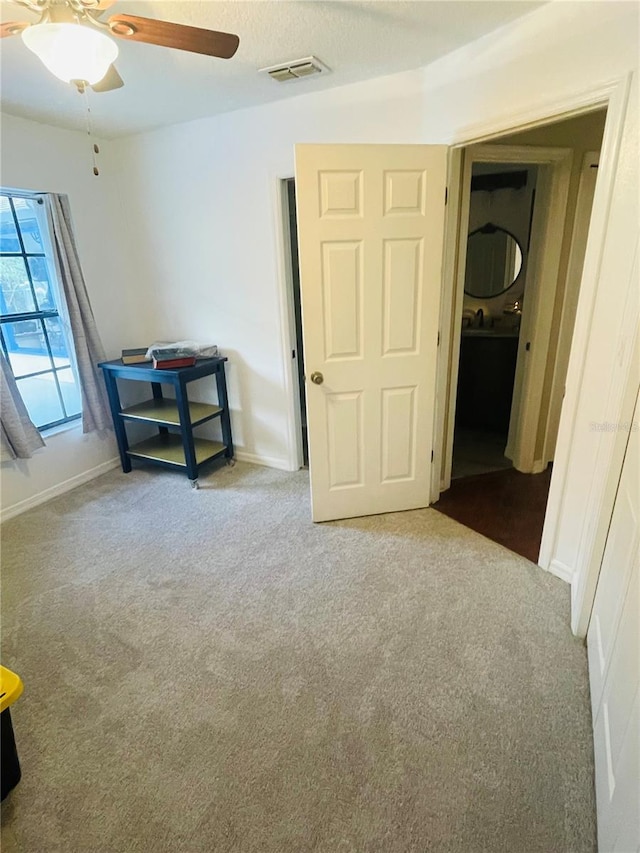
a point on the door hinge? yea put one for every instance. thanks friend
(438, 344)
(293, 353)
(527, 346)
(432, 455)
(446, 195)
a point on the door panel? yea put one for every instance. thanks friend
(342, 293)
(345, 440)
(370, 222)
(613, 642)
(398, 434)
(401, 285)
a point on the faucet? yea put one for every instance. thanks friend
(480, 316)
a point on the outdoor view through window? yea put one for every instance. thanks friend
(33, 336)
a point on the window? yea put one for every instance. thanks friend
(32, 333)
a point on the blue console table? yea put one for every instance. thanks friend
(174, 445)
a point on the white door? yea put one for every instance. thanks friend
(613, 642)
(370, 228)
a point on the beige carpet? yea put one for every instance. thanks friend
(209, 671)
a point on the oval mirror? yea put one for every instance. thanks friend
(494, 261)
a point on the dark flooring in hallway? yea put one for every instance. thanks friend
(505, 506)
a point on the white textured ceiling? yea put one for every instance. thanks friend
(357, 40)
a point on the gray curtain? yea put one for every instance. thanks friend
(86, 340)
(18, 436)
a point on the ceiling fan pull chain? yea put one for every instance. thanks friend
(82, 88)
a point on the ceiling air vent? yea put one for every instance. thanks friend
(296, 69)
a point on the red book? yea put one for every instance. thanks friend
(169, 364)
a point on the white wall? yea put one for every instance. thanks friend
(204, 199)
(42, 158)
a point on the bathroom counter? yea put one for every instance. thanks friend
(485, 379)
(490, 333)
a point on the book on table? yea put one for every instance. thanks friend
(171, 363)
(137, 355)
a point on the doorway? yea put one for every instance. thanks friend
(502, 200)
(289, 201)
(519, 269)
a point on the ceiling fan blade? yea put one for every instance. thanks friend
(12, 28)
(193, 39)
(111, 80)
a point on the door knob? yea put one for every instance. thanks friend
(317, 378)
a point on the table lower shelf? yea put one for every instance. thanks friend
(168, 449)
(165, 411)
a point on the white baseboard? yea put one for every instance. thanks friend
(561, 571)
(267, 461)
(58, 489)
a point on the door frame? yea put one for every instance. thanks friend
(552, 188)
(579, 236)
(295, 456)
(614, 96)
(447, 352)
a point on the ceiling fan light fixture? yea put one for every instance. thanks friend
(72, 51)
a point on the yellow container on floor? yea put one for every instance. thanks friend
(11, 687)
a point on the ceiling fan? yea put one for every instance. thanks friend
(77, 46)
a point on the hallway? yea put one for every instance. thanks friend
(505, 506)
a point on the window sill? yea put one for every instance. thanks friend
(56, 430)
